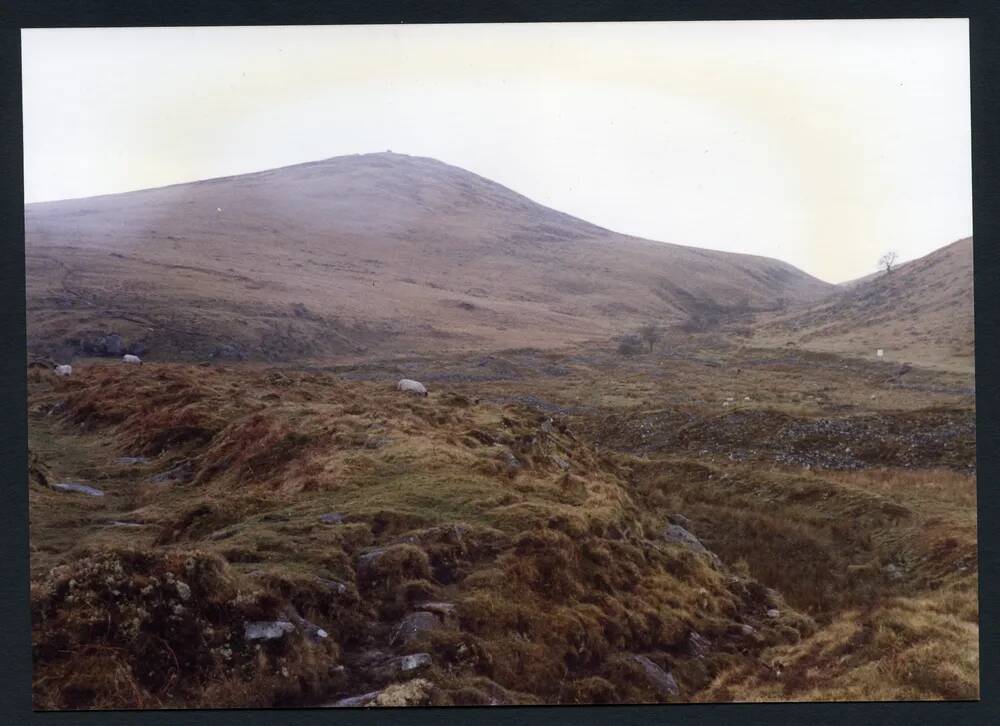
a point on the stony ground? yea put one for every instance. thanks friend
(705, 522)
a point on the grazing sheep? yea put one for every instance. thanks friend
(412, 387)
(129, 358)
(64, 370)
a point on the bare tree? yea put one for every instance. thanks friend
(888, 261)
(650, 334)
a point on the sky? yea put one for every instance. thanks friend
(820, 143)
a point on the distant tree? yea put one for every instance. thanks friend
(650, 334)
(888, 261)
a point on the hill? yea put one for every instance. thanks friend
(920, 313)
(360, 254)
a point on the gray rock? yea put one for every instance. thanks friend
(183, 590)
(676, 534)
(132, 460)
(698, 645)
(356, 701)
(773, 613)
(444, 610)
(661, 681)
(72, 486)
(894, 572)
(414, 661)
(336, 586)
(183, 472)
(331, 518)
(117, 523)
(267, 629)
(561, 463)
(369, 558)
(681, 520)
(747, 629)
(414, 625)
(509, 459)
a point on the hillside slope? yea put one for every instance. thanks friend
(365, 253)
(920, 313)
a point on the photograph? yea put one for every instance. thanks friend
(500, 364)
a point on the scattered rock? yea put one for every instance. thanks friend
(698, 645)
(681, 520)
(313, 632)
(773, 613)
(332, 518)
(267, 629)
(71, 486)
(561, 463)
(509, 459)
(747, 629)
(414, 661)
(894, 572)
(415, 624)
(356, 701)
(336, 586)
(662, 681)
(183, 590)
(676, 534)
(183, 472)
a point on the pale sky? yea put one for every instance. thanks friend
(821, 143)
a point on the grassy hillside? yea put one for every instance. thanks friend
(921, 313)
(366, 254)
(522, 535)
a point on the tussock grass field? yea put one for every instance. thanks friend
(511, 538)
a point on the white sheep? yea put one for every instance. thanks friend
(412, 387)
(129, 358)
(64, 370)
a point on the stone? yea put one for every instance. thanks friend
(681, 520)
(267, 629)
(183, 472)
(72, 486)
(894, 571)
(413, 625)
(356, 701)
(132, 460)
(676, 534)
(335, 585)
(698, 645)
(183, 590)
(414, 661)
(561, 463)
(509, 459)
(773, 613)
(747, 629)
(661, 681)
(332, 518)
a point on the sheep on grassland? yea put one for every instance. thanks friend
(129, 358)
(64, 370)
(412, 387)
